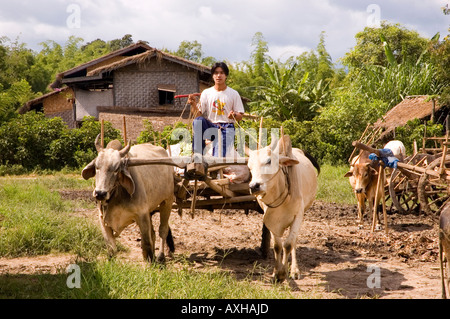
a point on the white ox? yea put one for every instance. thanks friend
(126, 195)
(285, 184)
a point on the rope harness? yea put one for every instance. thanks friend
(287, 188)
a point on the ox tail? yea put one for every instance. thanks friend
(170, 242)
(313, 161)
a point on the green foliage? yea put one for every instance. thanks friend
(35, 142)
(403, 43)
(171, 134)
(414, 130)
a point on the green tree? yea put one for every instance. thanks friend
(405, 45)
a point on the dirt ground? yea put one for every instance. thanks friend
(337, 259)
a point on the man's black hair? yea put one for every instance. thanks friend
(220, 65)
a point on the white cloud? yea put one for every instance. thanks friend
(225, 29)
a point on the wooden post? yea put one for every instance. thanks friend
(124, 131)
(194, 198)
(102, 133)
(375, 204)
(260, 133)
(384, 201)
(283, 147)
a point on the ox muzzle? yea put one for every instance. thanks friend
(100, 195)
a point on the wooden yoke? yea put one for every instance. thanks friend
(366, 148)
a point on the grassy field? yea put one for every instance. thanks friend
(35, 220)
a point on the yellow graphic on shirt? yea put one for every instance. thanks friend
(219, 106)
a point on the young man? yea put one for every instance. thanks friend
(219, 107)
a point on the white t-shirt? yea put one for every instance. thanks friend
(216, 105)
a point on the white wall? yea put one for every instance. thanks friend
(87, 102)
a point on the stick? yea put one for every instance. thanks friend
(186, 95)
(194, 198)
(124, 131)
(375, 204)
(260, 132)
(102, 133)
(283, 148)
(366, 148)
(384, 203)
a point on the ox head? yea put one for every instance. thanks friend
(265, 163)
(362, 175)
(109, 170)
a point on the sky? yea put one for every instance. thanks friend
(224, 28)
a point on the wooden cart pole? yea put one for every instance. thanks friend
(283, 147)
(260, 133)
(194, 198)
(102, 133)
(124, 131)
(375, 204)
(384, 203)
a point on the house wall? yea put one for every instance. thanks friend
(86, 102)
(137, 85)
(60, 105)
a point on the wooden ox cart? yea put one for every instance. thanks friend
(421, 181)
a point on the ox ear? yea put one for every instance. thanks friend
(373, 170)
(348, 174)
(287, 161)
(126, 181)
(89, 170)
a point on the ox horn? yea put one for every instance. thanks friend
(125, 150)
(97, 143)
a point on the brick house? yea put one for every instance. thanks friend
(138, 82)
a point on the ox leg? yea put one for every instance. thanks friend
(441, 266)
(279, 272)
(361, 208)
(108, 235)
(290, 245)
(165, 210)
(147, 237)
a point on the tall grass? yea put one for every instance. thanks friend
(35, 221)
(333, 186)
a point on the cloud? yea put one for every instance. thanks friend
(225, 29)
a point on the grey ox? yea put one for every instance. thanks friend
(126, 195)
(284, 182)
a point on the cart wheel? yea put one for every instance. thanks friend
(433, 191)
(403, 192)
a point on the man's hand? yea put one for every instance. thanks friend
(192, 100)
(235, 116)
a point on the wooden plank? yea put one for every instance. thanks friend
(224, 191)
(218, 201)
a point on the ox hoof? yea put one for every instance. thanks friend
(295, 274)
(161, 258)
(360, 226)
(279, 277)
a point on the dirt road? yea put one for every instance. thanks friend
(337, 259)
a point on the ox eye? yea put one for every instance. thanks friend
(268, 162)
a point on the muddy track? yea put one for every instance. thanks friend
(337, 259)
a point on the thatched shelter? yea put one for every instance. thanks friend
(412, 107)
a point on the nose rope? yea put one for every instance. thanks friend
(287, 189)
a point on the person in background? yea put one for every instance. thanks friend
(219, 108)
